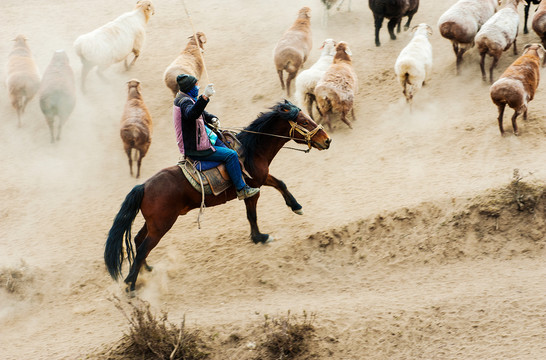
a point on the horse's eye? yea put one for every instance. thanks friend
(305, 123)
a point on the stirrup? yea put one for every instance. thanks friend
(247, 192)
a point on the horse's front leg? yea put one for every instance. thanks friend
(255, 234)
(290, 200)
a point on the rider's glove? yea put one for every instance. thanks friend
(209, 90)
(215, 122)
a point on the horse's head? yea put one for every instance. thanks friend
(303, 129)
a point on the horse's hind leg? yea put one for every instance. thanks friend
(288, 197)
(139, 238)
(155, 233)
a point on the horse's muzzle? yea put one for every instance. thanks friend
(324, 145)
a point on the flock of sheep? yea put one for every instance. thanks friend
(330, 84)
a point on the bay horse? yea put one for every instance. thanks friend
(168, 194)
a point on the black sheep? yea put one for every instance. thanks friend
(526, 11)
(394, 10)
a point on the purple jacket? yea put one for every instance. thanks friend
(189, 117)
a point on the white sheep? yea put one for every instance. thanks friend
(413, 66)
(335, 92)
(189, 61)
(497, 35)
(23, 79)
(462, 21)
(114, 41)
(293, 48)
(135, 126)
(328, 4)
(308, 79)
(57, 92)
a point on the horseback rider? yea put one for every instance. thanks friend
(193, 125)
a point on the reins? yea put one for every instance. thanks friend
(294, 127)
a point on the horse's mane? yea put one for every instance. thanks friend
(264, 123)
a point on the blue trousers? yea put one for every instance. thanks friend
(230, 158)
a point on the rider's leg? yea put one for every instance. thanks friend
(230, 158)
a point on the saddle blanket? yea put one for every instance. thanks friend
(215, 180)
(212, 175)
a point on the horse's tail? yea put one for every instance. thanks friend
(113, 250)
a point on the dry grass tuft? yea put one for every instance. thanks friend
(523, 194)
(288, 336)
(152, 337)
(15, 280)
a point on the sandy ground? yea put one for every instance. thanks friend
(372, 256)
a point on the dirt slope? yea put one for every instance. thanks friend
(395, 254)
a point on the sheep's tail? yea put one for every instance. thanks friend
(17, 100)
(452, 31)
(133, 135)
(508, 91)
(324, 96)
(407, 87)
(288, 60)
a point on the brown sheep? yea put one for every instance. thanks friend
(136, 126)
(189, 61)
(517, 85)
(293, 48)
(336, 90)
(58, 92)
(23, 79)
(539, 22)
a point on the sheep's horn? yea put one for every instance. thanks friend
(429, 29)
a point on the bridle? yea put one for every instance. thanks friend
(294, 126)
(307, 135)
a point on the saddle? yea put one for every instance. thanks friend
(212, 176)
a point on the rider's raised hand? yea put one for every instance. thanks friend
(209, 90)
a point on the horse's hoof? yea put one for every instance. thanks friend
(299, 211)
(263, 239)
(148, 267)
(130, 293)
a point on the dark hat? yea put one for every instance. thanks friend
(185, 82)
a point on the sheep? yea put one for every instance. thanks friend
(293, 48)
(414, 64)
(526, 7)
(328, 4)
(136, 126)
(517, 85)
(394, 10)
(189, 61)
(462, 21)
(336, 90)
(114, 41)
(23, 78)
(497, 35)
(57, 92)
(539, 22)
(307, 79)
